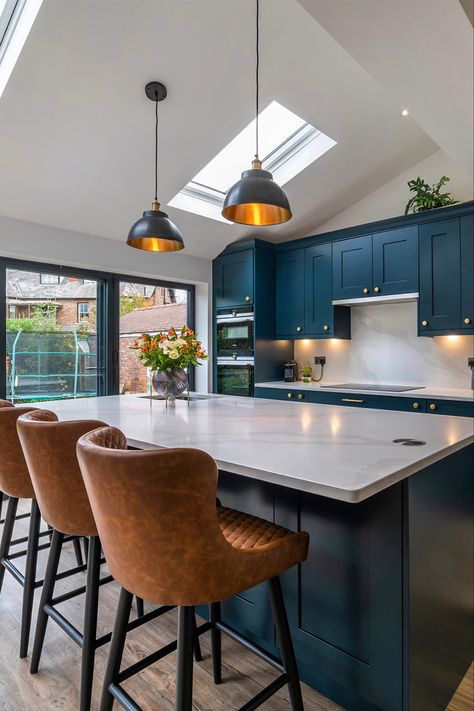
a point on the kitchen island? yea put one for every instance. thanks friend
(381, 612)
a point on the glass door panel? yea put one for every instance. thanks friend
(145, 308)
(53, 325)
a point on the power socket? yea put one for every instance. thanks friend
(319, 360)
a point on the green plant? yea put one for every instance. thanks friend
(427, 197)
(307, 369)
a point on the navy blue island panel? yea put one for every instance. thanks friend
(382, 611)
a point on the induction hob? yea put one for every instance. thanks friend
(369, 386)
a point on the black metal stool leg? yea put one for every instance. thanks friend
(184, 674)
(7, 534)
(216, 642)
(46, 597)
(77, 551)
(30, 577)
(285, 643)
(196, 642)
(116, 648)
(85, 542)
(140, 608)
(90, 622)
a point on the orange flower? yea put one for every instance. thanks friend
(172, 332)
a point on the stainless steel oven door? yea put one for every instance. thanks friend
(235, 335)
(235, 376)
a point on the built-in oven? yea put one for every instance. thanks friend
(235, 376)
(235, 333)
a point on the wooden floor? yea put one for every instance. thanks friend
(56, 685)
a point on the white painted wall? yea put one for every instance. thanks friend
(29, 241)
(390, 199)
(384, 348)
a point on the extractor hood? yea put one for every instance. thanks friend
(374, 300)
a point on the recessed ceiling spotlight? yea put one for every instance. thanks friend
(405, 112)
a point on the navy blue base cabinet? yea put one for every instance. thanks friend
(381, 613)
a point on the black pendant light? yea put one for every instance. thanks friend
(154, 231)
(255, 199)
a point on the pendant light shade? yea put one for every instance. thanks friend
(155, 232)
(256, 199)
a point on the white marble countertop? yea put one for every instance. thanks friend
(437, 393)
(340, 452)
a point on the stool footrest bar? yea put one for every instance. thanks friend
(19, 577)
(65, 625)
(265, 693)
(134, 624)
(269, 658)
(123, 698)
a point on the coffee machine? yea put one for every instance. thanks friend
(290, 373)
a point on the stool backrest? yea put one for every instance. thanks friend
(157, 520)
(14, 477)
(6, 403)
(50, 452)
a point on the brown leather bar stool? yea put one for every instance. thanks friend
(16, 484)
(50, 452)
(169, 543)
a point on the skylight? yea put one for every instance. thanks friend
(16, 21)
(288, 145)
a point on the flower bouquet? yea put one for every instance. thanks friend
(169, 355)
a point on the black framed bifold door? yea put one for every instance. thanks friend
(66, 332)
(53, 332)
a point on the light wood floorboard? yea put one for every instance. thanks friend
(56, 685)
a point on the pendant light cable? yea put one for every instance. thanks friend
(156, 146)
(257, 71)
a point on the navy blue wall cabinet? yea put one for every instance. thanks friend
(233, 279)
(446, 277)
(352, 268)
(304, 296)
(321, 318)
(395, 261)
(381, 264)
(290, 294)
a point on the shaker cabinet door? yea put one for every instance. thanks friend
(233, 279)
(467, 272)
(395, 261)
(290, 293)
(352, 268)
(440, 276)
(318, 319)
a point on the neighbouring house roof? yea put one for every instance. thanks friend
(154, 318)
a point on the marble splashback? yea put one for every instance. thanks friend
(385, 349)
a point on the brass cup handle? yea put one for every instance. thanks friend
(247, 298)
(467, 321)
(433, 406)
(425, 323)
(416, 405)
(300, 396)
(299, 329)
(365, 290)
(377, 289)
(325, 327)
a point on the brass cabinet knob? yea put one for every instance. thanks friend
(299, 329)
(365, 290)
(416, 405)
(325, 327)
(247, 298)
(467, 321)
(377, 289)
(300, 396)
(425, 323)
(432, 406)
(290, 395)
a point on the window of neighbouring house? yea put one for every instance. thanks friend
(83, 312)
(49, 278)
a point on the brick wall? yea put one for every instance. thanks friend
(133, 374)
(67, 312)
